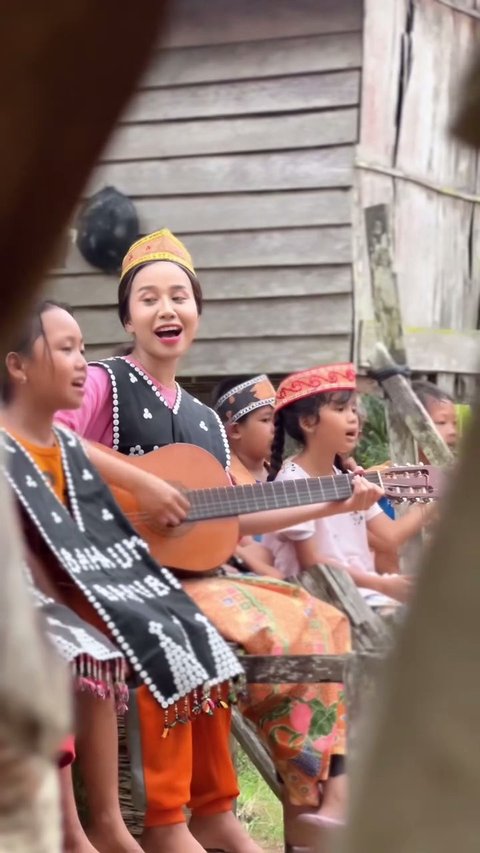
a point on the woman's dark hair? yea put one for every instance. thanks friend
(125, 289)
(32, 330)
(287, 421)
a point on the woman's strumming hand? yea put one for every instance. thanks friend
(161, 501)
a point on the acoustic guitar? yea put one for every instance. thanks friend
(210, 533)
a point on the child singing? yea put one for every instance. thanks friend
(317, 409)
(102, 570)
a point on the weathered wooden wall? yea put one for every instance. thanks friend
(241, 140)
(414, 57)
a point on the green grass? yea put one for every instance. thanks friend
(257, 807)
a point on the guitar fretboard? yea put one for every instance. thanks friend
(228, 501)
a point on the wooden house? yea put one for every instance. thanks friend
(260, 131)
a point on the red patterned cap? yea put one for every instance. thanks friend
(317, 380)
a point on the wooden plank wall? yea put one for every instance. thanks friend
(241, 140)
(408, 159)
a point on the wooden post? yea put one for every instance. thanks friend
(362, 688)
(388, 318)
(337, 588)
(406, 405)
(257, 754)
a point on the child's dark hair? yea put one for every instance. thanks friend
(32, 330)
(427, 391)
(287, 420)
(125, 289)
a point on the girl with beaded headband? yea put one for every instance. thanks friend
(246, 411)
(134, 404)
(317, 409)
(83, 552)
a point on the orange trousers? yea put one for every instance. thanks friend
(191, 767)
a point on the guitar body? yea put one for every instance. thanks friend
(193, 547)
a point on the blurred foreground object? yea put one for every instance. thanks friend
(66, 70)
(416, 790)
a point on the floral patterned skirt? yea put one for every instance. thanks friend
(302, 725)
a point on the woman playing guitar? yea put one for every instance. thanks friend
(134, 405)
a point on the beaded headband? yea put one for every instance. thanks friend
(317, 380)
(245, 398)
(159, 246)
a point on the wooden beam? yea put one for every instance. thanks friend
(227, 357)
(388, 319)
(386, 302)
(430, 350)
(226, 135)
(258, 755)
(246, 97)
(362, 689)
(247, 319)
(258, 248)
(410, 411)
(307, 168)
(96, 289)
(248, 59)
(337, 588)
(195, 22)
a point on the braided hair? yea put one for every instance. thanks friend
(287, 422)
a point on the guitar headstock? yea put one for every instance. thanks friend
(411, 483)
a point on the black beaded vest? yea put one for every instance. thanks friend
(142, 420)
(171, 646)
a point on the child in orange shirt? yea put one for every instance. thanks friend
(102, 570)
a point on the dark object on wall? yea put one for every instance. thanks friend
(107, 226)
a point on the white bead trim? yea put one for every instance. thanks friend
(115, 406)
(258, 404)
(241, 387)
(178, 396)
(226, 444)
(72, 495)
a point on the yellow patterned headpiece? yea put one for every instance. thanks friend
(159, 246)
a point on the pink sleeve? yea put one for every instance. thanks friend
(93, 420)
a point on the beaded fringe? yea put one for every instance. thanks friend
(204, 701)
(102, 679)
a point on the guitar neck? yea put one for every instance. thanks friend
(228, 501)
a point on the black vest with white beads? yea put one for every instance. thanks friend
(169, 643)
(142, 420)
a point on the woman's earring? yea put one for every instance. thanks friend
(23, 380)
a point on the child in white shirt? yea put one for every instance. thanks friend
(317, 409)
